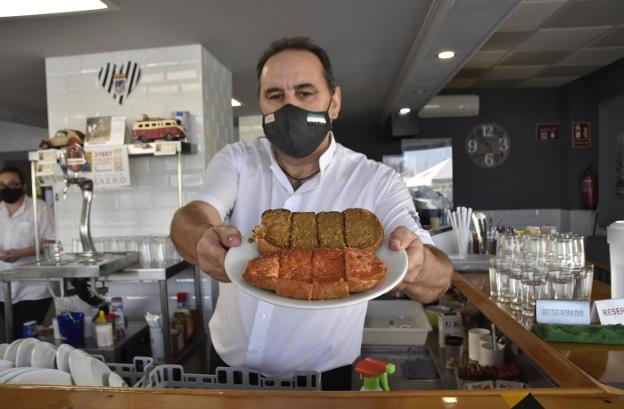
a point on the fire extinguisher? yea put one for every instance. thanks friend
(589, 189)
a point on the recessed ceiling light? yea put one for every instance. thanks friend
(445, 55)
(236, 103)
(404, 111)
(38, 7)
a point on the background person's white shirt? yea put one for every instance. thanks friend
(17, 232)
(241, 182)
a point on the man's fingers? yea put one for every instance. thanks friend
(401, 238)
(228, 235)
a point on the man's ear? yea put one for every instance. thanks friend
(336, 104)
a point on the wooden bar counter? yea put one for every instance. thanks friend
(579, 370)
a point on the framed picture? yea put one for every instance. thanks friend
(105, 130)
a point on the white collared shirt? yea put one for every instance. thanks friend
(17, 232)
(242, 181)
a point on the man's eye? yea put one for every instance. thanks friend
(304, 94)
(274, 96)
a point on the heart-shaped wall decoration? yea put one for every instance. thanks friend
(119, 80)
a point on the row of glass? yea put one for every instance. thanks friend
(152, 249)
(564, 250)
(539, 266)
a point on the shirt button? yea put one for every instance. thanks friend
(253, 351)
(262, 315)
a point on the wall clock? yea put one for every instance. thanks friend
(488, 145)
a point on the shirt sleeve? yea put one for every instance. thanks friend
(46, 221)
(221, 181)
(395, 206)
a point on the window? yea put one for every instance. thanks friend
(426, 167)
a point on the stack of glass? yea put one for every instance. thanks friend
(152, 249)
(542, 265)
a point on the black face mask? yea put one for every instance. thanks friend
(295, 131)
(11, 195)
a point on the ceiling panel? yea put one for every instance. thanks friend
(513, 72)
(587, 13)
(496, 83)
(529, 15)
(471, 73)
(485, 59)
(613, 39)
(593, 56)
(460, 83)
(535, 58)
(567, 71)
(562, 39)
(546, 82)
(505, 41)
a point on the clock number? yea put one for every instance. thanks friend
(472, 146)
(488, 131)
(489, 159)
(503, 144)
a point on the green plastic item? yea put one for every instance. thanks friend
(582, 334)
(378, 383)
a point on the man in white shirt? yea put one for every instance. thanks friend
(301, 168)
(31, 300)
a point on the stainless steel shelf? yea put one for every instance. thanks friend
(72, 265)
(150, 272)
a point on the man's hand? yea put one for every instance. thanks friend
(212, 247)
(428, 269)
(12, 255)
(404, 239)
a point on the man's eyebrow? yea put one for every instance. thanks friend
(304, 85)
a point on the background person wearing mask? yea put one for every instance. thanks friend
(301, 168)
(31, 300)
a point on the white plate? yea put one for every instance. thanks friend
(6, 376)
(62, 357)
(11, 351)
(42, 376)
(3, 348)
(6, 364)
(99, 373)
(43, 355)
(24, 352)
(81, 369)
(236, 262)
(116, 381)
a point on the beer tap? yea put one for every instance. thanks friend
(71, 177)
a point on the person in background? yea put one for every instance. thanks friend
(31, 300)
(298, 166)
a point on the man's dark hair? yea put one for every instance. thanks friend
(299, 43)
(16, 171)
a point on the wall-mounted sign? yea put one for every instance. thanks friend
(562, 312)
(109, 166)
(609, 312)
(581, 134)
(547, 132)
(119, 80)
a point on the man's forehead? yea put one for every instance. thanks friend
(8, 176)
(291, 68)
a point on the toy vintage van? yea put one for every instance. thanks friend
(148, 130)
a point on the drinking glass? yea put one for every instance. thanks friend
(577, 246)
(533, 288)
(503, 296)
(561, 284)
(517, 273)
(493, 285)
(584, 282)
(563, 251)
(157, 249)
(144, 251)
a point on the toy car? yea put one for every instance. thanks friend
(62, 138)
(150, 129)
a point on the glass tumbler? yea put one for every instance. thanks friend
(561, 284)
(493, 282)
(584, 282)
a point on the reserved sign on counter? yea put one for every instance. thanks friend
(609, 312)
(562, 312)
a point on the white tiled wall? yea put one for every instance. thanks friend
(185, 78)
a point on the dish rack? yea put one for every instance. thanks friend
(134, 374)
(173, 376)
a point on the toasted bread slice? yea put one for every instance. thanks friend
(303, 231)
(273, 233)
(362, 230)
(328, 274)
(363, 269)
(295, 274)
(262, 272)
(330, 227)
